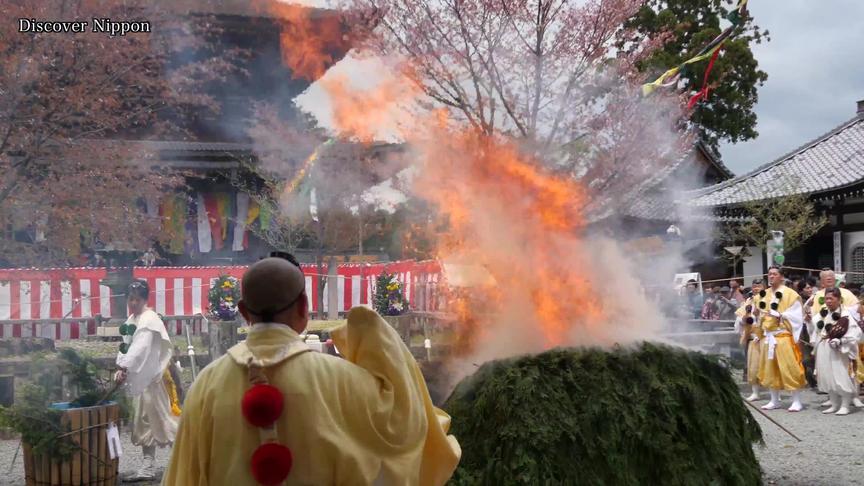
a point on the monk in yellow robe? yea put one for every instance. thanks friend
(827, 280)
(747, 323)
(365, 419)
(782, 319)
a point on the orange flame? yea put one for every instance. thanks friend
(518, 221)
(365, 113)
(504, 211)
(309, 41)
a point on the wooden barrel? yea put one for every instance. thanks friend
(90, 463)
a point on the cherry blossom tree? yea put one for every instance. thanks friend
(66, 103)
(546, 73)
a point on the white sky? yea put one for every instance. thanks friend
(815, 67)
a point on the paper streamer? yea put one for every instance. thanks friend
(670, 77)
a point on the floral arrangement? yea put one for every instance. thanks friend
(389, 296)
(223, 298)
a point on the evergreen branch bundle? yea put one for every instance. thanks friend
(650, 415)
(32, 415)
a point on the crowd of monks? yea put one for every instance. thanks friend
(780, 333)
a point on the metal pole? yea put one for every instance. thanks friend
(191, 349)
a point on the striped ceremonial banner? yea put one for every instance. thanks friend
(6, 307)
(27, 294)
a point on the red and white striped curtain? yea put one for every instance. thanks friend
(179, 291)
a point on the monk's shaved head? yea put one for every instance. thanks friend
(270, 286)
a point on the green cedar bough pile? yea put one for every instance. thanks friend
(649, 415)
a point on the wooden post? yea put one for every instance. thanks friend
(333, 296)
(7, 390)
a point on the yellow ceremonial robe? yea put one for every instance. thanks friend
(849, 301)
(754, 337)
(360, 420)
(780, 368)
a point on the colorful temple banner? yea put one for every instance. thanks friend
(671, 76)
(205, 242)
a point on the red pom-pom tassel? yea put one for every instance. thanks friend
(271, 463)
(262, 405)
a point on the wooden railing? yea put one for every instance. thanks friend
(82, 327)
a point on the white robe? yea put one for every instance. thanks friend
(145, 363)
(832, 365)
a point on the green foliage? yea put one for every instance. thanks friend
(83, 375)
(38, 425)
(31, 415)
(728, 113)
(379, 300)
(223, 298)
(389, 298)
(653, 415)
(796, 216)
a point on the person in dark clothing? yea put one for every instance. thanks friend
(693, 300)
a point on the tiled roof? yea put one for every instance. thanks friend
(714, 159)
(657, 207)
(649, 202)
(654, 207)
(831, 162)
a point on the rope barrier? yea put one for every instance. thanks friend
(762, 275)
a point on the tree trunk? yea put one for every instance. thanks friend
(319, 261)
(333, 289)
(359, 235)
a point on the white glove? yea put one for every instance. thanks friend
(834, 343)
(774, 313)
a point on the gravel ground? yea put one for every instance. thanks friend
(129, 462)
(831, 451)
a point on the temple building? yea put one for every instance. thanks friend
(830, 172)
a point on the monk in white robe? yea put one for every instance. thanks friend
(828, 279)
(143, 362)
(836, 343)
(366, 419)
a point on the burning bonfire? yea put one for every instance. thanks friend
(504, 204)
(514, 189)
